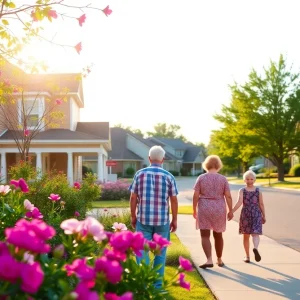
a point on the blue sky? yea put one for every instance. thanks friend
(171, 61)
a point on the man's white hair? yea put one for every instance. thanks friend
(157, 153)
(249, 173)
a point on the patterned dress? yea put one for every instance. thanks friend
(251, 216)
(211, 203)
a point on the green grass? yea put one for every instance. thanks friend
(199, 290)
(111, 204)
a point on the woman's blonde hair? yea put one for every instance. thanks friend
(212, 162)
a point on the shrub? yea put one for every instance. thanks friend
(130, 171)
(115, 190)
(295, 170)
(174, 173)
(22, 169)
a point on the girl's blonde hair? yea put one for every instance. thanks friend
(249, 173)
(212, 162)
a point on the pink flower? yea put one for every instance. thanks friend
(4, 189)
(84, 293)
(58, 101)
(119, 226)
(34, 16)
(107, 11)
(54, 197)
(30, 236)
(182, 283)
(16, 90)
(21, 184)
(162, 242)
(3, 249)
(81, 19)
(26, 132)
(114, 255)
(81, 269)
(77, 214)
(6, 82)
(113, 296)
(78, 48)
(52, 14)
(112, 269)
(28, 258)
(90, 226)
(59, 251)
(70, 226)
(10, 268)
(28, 205)
(32, 277)
(34, 214)
(77, 185)
(185, 264)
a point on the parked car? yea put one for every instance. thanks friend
(256, 168)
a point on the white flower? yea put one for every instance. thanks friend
(4, 189)
(119, 226)
(28, 205)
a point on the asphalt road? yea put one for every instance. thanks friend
(282, 211)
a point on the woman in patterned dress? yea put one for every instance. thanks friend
(252, 214)
(209, 208)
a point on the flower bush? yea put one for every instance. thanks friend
(31, 268)
(115, 190)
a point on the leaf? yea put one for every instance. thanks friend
(5, 22)
(11, 5)
(8, 208)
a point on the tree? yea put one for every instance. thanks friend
(167, 131)
(268, 106)
(129, 128)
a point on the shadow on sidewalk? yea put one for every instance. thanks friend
(288, 287)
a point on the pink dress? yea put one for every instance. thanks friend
(211, 203)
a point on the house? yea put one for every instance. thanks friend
(60, 148)
(130, 150)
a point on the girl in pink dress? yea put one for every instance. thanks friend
(252, 214)
(209, 208)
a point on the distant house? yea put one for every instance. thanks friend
(61, 148)
(130, 150)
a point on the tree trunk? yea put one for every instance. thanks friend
(280, 170)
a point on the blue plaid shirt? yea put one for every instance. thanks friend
(153, 186)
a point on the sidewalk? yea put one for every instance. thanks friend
(276, 276)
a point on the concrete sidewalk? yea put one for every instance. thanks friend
(276, 276)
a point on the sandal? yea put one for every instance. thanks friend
(246, 259)
(204, 266)
(256, 254)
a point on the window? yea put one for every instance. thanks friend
(33, 111)
(179, 153)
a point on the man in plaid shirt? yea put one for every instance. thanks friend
(151, 190)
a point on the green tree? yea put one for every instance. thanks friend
(267, 107)
(129, 128)
(166, 131)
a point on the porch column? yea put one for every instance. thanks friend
(39, 163)
(194, 169)
(3, 168)
(100, 166)
(70, 167)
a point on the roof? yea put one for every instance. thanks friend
(98, 129)
(51, 83)
(118, 145)
(191, 153)
(177, 144)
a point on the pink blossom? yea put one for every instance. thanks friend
(78, 47)
(52, 14)
(30, 236)
(32, 277)
(28, 258)
(81, 19)
(54, 197)
(10, 268)
(34, 214)
(184, 284)
(77, 214)
(107, 11)
(16, 90)
(90, 226)
(70, 226)
(185, 264)
(28, 205)
(119, 226)
(4, 189)
(81, 269)
(26, 132)
(3, 249)
(112, 269)
(6, 82)
(121, 241)
(77, 185)
(114, 255)
(84, 293)
(21, 184)
(59, 251)
(58, 101)
(162, 242)
(152, 245)
(113, 296)
(34, 16)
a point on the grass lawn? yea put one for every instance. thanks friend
(199, 290)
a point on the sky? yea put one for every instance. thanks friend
(170, 61)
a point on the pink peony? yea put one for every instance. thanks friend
(113, 296)
(182, 283)
(4, 189)
(162, 242)
(34, 214)
(119, 226)
(54, 197)
(185, 264)
(28, 205)
(10, 268)
(77, 185)
(81, 269)
(70, 226)
(21, 184)
(112, 269)
(83, 292)
(32, 277)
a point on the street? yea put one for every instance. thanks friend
(282, 210)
